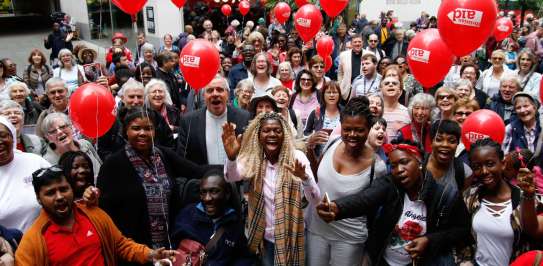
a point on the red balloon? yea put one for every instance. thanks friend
(325, 46)
(179, 3)
(333, 7)
(199, 63)
(429, 58)
(328, 62)
(504, 28)
(92, 109)
(226, 10)
(308, 21)
(244, 7)
(465, 25)
(131, 7)
(300, 3)
(282, 12)
(482, 124)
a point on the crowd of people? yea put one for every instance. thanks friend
(277, 161)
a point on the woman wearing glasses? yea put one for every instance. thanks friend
(396, 114)
(18, 200)
(306, 96)
(445, 99)
(26, 142)
(60, 135)
(489, 82)
(316, 66)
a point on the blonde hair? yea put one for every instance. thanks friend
(252, 153)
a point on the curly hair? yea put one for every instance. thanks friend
(358, 106)
(252, 153)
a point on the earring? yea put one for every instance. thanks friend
(420, 167)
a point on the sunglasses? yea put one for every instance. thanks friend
(462, 113)
(306, 80)
(448, 97)
(395, 83)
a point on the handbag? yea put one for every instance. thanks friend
(193, 253)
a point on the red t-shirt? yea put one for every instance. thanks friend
(78, 246)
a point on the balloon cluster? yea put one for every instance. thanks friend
(325, 47)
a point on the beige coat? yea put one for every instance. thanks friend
(344, 73)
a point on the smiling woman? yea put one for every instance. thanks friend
(18, 201)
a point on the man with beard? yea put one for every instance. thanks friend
(216, 216)
(367, 83)
(67, 233)
(373, 46)
(241, 71)
(57, 41)
(200, 131)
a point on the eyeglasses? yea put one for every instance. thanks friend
(42, 171)
(395, 83)
(498, 58)
(462, 113)
(55, 130)
(306, 80)
(448, 97)
(318, 66)
(373, 41)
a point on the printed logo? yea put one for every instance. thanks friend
(190, 61)
(420, 55)
(89, 233)
(503, 28)
(466, 17)
(304, 22)
(474, 136)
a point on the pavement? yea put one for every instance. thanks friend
(17, 44)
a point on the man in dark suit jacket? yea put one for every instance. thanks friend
(397, 44)
(200, 133)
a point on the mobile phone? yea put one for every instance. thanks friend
(327, 199)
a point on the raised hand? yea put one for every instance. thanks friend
(298, 170)
(230, 142)
(319, 137)
(417, 246)
(163, 256)
(90, 196)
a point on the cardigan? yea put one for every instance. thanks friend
(33, 250)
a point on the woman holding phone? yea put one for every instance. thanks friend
(322, 121)
(347, 167)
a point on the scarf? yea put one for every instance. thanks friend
(288, 222)
(157, 187)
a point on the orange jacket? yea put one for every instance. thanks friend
(33, 251)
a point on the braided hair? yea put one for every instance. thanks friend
(358, 106)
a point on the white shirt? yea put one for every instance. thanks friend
(18, 205)
(411, 225)
(71, 77)
(266, 89)
(495, 235)
(214, 146)
(490, 85)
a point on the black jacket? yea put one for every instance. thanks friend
(114, 140)
(122, 195)
(173, 86)
(445, 227)
(191, 142)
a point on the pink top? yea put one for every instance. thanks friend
(305, 108)
(312, 193)
(396, 119)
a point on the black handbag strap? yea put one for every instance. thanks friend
(214, 239)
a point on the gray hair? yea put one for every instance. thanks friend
(54, 81)
(423, 99)
(511, 77)
(63, 52)
(245, 83)
(17, 84)
(289, 66)
(154, 83)
(463, 82)
(223, 79)
(146, 47)
(8, 104)
(131, 84)
(50, 118)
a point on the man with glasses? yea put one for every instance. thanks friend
(373, 46)
(200, 131)
(367, 83)
(396, 45)
(57, 93)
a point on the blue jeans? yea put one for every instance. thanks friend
(268, 254)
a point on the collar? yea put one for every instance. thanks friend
(56, 229)
(211, 115)
(229, 214)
